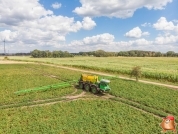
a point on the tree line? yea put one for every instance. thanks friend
(98, 53)
(101, 53)
(48, 54)
(131, 53)
(138, 53)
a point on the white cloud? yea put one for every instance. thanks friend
(106, 42)
(146, 24)
(136, 33)
(140, 42)
(88, 23)
(117, 8)
(99, 39)
(145, 33)
(167, 40)
(103, 39)
(8, 35)
(176, 21)
(14, 12)
(28, 23)
(56, 5)
(163, 24)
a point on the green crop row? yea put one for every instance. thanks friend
(152, 68)
(20, 77)
(79, 117)
(157, 97)
(143, 107)
(145, 74)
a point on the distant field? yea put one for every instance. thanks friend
(158, 68)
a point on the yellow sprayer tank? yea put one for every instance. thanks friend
(89, 78)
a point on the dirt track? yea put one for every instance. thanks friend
(87, 71)
(106, 74)
(12, 62)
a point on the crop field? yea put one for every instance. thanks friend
(160, 98)
(157, 68)
(18, 77)
(79, 117)
(130, 107)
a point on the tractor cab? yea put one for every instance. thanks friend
(104, 85)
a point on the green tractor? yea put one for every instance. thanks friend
(91, 83)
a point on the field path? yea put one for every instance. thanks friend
(88, 71)
(107, 74)
(13, 62)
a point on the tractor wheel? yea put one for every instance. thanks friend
(87, 87)
(94, 89)
(80, 85)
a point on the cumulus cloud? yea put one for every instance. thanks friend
(136, 33)
(106, 42)
(166, 40)
(28, 22)
(103, 39)
(8, 35)
(14, 12)
(163, 24)
(117, 8)
(141, 42)
(99, 39)
(88, 23)
(56, 5)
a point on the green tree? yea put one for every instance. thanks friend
(136, 72)
(35, 53)
(48, 54)
(131, 53)
(100, 53)
(170, 53)
(158, 54)
(55, 54)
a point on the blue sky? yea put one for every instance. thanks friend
(89, 25)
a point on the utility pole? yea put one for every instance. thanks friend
(4, 47)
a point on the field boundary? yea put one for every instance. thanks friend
(87, 71)
(110, 75)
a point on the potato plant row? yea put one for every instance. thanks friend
(18, 77)
(79, 117)
(157, 97)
